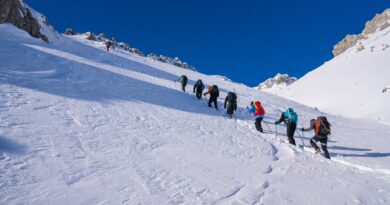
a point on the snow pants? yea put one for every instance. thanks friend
(183, 86)
(213, 99)
(199, 93)
(258, 124)
(324, 144)
(290, 132)
(231, 108)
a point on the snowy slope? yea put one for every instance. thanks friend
(352, 83)
(79, 125)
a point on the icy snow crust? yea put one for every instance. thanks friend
(83, 126)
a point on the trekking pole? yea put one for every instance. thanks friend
(269, 128)
(303, 143)
(276, 131)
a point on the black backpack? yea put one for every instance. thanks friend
(324, 126)
(232, 97)
(199, 85)
(215, 91)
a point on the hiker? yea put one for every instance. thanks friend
(231, 98)
(321, 128)
(290, 118)
(183, 80)
(258, 112)
(214, 94)
(108, 44)
(198, 88)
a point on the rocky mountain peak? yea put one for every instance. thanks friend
(279, 81)
(378, 23)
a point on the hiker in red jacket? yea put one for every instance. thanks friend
(258, 112)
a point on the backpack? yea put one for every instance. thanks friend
(324, 124)
(232, 97)
(259, 108)
(199, 85)
(290, 116)
(215, 91)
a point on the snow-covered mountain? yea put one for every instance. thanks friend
(352, 83)
(79, 125)
(280, 81)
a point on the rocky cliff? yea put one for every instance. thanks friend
(16, 13)
(379, 22)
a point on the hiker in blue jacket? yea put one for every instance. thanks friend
(290, 118)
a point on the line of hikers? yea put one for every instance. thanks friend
(289, 117)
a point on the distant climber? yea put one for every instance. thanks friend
(290, 118)
(214, 94)
(258, 112)
(108, 44)
(321, 128)
(198, 88)
(231, 99)
(183, 80)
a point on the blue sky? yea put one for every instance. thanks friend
(245, 40)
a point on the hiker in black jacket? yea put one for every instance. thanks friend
(198, 88)
(231, 98)
(183, 80)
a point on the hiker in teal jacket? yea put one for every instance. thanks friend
(290, 118)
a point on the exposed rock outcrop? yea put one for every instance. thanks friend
(379, 22)
(16, 13)
(279, 81)
(173, 61)
(69, 31)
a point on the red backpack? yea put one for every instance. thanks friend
(259, 108)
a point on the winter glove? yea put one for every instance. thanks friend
(302, 129)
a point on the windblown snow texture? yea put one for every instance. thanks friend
(79, 125)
